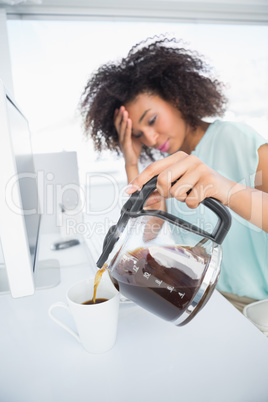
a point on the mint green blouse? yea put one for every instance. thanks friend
(231, 149)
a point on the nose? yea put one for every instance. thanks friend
(150, 138)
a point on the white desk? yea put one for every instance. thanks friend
(220, 356)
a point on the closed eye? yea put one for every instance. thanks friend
(152, 121)
(138, 135)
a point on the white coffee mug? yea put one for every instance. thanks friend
(96, 323)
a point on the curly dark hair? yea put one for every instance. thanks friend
(156, 66)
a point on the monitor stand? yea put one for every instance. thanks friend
(47, 275)
(4, 286)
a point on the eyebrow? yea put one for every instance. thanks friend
(143, 115)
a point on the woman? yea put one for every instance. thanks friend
(158, 99)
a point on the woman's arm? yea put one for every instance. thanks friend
(195, 181)
(252, 203)
(130, 147)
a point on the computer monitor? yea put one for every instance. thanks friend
(19, 205)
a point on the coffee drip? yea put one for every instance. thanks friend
(97, 280)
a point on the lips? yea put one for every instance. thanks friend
(164, 147)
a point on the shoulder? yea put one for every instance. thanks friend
(231, 148)
(236, 133)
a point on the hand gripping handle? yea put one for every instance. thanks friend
(139, 198)
(134, 208)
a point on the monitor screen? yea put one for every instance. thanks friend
(21, 268)
(26, 175)
(19, 210)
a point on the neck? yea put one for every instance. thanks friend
(193, 137)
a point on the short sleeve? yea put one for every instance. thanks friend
(232, 150)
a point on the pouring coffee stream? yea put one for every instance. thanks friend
(174, 273)
(97, 280)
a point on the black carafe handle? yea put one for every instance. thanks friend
(134, 208)
(139, 198)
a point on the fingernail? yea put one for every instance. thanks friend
(131, 188)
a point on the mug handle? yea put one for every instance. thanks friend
(59, 322)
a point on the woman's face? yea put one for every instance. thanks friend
(156, 123)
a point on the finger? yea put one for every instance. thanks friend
(185, 186)
(137, 145)
(178, 180)
(117, 114)
(126, 138)
(153, 170)
(117, 121)
(194, 198)
(123, 126)
(174, 181)
(199, 192)
(154, 198)
(129, 129)
(118, 118)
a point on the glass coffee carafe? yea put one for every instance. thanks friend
(163, 263)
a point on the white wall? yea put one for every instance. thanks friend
(5, 63)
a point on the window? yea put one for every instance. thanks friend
(52, 60)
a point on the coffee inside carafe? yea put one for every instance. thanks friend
(177, 265)
(164, 280)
